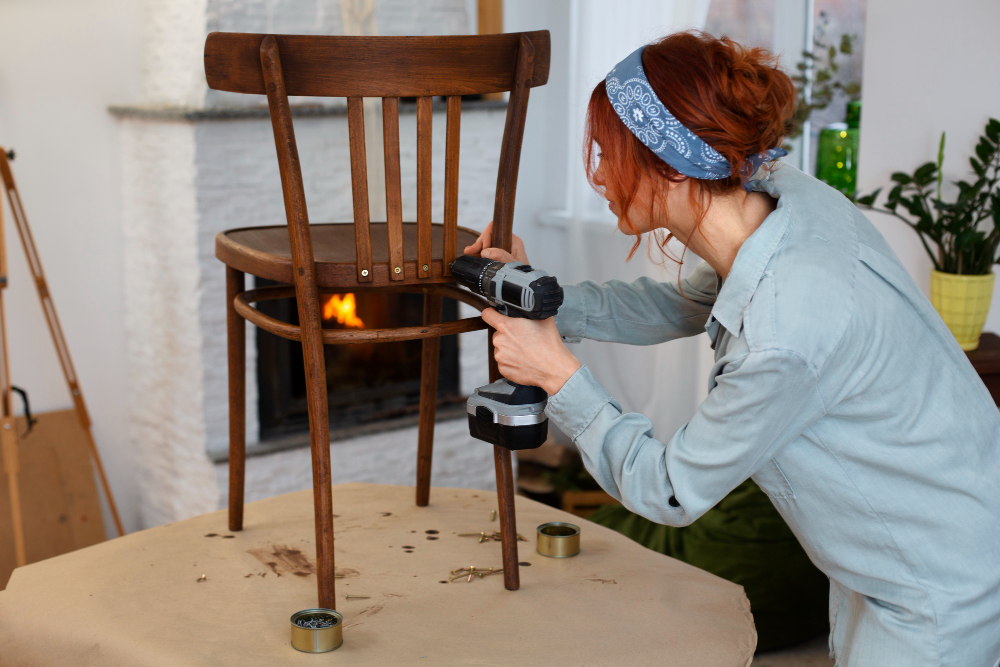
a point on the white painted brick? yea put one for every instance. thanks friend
(173, 67)
(162, 323)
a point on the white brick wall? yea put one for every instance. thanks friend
(163, 329)
(173, 67)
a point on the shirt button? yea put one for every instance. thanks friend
(673, 502)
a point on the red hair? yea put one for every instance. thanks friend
(733, 97)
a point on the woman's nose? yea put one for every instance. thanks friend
(599, 177)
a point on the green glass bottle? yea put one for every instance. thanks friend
(837, 152)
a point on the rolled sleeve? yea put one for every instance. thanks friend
(577, 403)
(759, 404)
(571, 320)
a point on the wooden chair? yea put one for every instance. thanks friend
(392, 255)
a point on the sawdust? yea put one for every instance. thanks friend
(283, 559)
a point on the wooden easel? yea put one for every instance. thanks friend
(8, 432)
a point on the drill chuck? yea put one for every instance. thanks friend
(513, 288)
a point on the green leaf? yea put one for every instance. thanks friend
(831, 53)
(894, 193)
(984, 152)
(977, 166)
(868, 200)
(901, 178)
(940, 161)
(993, 130)
(925, 173)
(846, 44)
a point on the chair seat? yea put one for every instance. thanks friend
(266, 252)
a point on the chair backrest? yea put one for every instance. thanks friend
(390, 68)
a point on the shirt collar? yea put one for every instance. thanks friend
(751, 260)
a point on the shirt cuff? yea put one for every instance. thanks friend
(578, 403)
(571, 320)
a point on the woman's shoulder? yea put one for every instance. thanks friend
(807, 294)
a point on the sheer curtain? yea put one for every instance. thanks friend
(663, 382)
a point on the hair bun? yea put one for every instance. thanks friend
(734, 97)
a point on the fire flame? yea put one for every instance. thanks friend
(343, 309)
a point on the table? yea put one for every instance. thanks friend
(137, 600)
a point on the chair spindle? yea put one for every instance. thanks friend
(393, 186)
(424, 121)
(359, 186)
(451, 182)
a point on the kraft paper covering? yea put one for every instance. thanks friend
(136, 600)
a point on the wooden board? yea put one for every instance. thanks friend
(59, 501)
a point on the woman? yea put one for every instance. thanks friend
(836, 387)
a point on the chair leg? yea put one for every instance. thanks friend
(508, 519)
(428, 400)
(236, 330)
(319, 437)
(505, 498)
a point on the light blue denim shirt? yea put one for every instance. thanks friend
(840, 391)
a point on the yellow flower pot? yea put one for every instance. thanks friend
(963, 302)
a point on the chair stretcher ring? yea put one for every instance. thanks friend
(243, 301)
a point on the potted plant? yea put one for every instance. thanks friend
(961, 236)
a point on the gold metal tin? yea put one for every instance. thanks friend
(317, 640)
(558, 539)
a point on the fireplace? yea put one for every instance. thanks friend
(370, 386)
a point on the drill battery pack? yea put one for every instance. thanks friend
(509, 415)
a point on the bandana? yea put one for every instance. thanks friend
(649, 120)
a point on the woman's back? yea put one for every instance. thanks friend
(895, 490)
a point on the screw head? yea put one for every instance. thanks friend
(364, 272)
(398, 269)
(426, 268)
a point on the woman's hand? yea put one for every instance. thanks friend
(482, 247)
(531, 351)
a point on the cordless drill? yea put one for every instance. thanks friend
(505, 413)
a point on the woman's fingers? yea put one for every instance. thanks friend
(482, 242)
(493, 318)
(498, 255)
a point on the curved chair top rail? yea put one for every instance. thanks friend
(339, 66)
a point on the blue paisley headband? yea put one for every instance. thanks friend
(649, 120)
